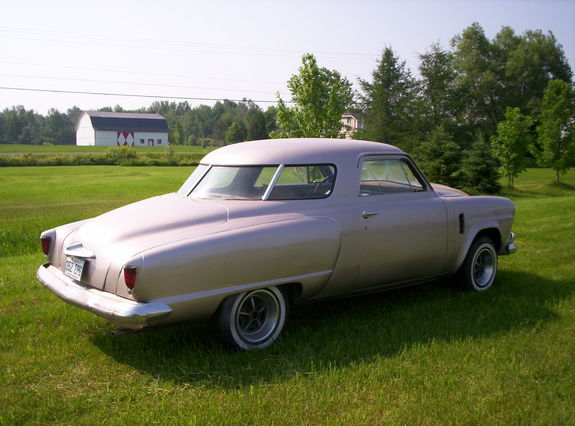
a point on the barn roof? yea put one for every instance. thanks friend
(127, 121)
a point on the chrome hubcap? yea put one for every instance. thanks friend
(257, 316)
(483, 267)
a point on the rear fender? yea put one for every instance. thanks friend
(209, 268)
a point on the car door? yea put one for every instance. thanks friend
(403, 223)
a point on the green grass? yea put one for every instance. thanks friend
(33, 199)
(54, 149)
(429, 354)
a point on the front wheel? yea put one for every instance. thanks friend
(251, 320)
(480, 266)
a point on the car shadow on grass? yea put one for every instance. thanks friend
(340, 333)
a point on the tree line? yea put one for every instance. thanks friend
(225, 122)
(477, 108)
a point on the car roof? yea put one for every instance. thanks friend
(296, 151)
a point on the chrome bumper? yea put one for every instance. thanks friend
(510, 247)
(125, 313)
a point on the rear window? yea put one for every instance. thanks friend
(275, 182)
(304, 182)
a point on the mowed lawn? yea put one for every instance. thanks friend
(424, 355)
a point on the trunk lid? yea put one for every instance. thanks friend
(116, 236)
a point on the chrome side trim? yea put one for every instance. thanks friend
(243, 287)
(125, 313)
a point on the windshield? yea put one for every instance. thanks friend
(277, 182)
(193, 179)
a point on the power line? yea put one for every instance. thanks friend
(170, 44)
(132, 95)
(133, 83)
(131, 71)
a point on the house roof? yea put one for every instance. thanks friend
(352, 114)
(126, 121)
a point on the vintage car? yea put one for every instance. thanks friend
(262, 225)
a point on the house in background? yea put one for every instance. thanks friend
(353, 122)
(121, 128)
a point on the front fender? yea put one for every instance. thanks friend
(479, 213)
(470, 237)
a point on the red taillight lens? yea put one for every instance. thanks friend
(130, 274)
(45, 241)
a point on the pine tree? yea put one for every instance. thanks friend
(439, 157)
(480, 169)
(390, 104)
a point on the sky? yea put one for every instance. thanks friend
(204, 50)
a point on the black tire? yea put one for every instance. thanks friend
(251, 320)
(479, 268)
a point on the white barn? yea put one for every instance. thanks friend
(121, 128)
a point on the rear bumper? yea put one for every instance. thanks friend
(125, 313)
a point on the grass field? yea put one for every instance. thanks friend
(423, 355)
(55, 149)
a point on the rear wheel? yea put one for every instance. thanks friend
(480, 266)
(251, 320)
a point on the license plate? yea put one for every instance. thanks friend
(74, 267)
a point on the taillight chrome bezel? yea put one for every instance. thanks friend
(130, 273)
(47, 239)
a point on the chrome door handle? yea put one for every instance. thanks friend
(366, 214)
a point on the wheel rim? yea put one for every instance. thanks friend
(257, 316)
(483, 267)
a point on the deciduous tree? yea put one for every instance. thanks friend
(235, 133)
(511, 143)
(438, 86)
(556, 132)
(256, 128)
(321, 96)
(58, 129)
(477, 80)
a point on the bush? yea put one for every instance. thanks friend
(123, 156)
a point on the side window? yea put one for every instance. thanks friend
(416, 185)
(388, 176)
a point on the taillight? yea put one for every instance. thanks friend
(45, 241)
(130, 273)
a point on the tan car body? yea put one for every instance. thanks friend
(191, 254)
